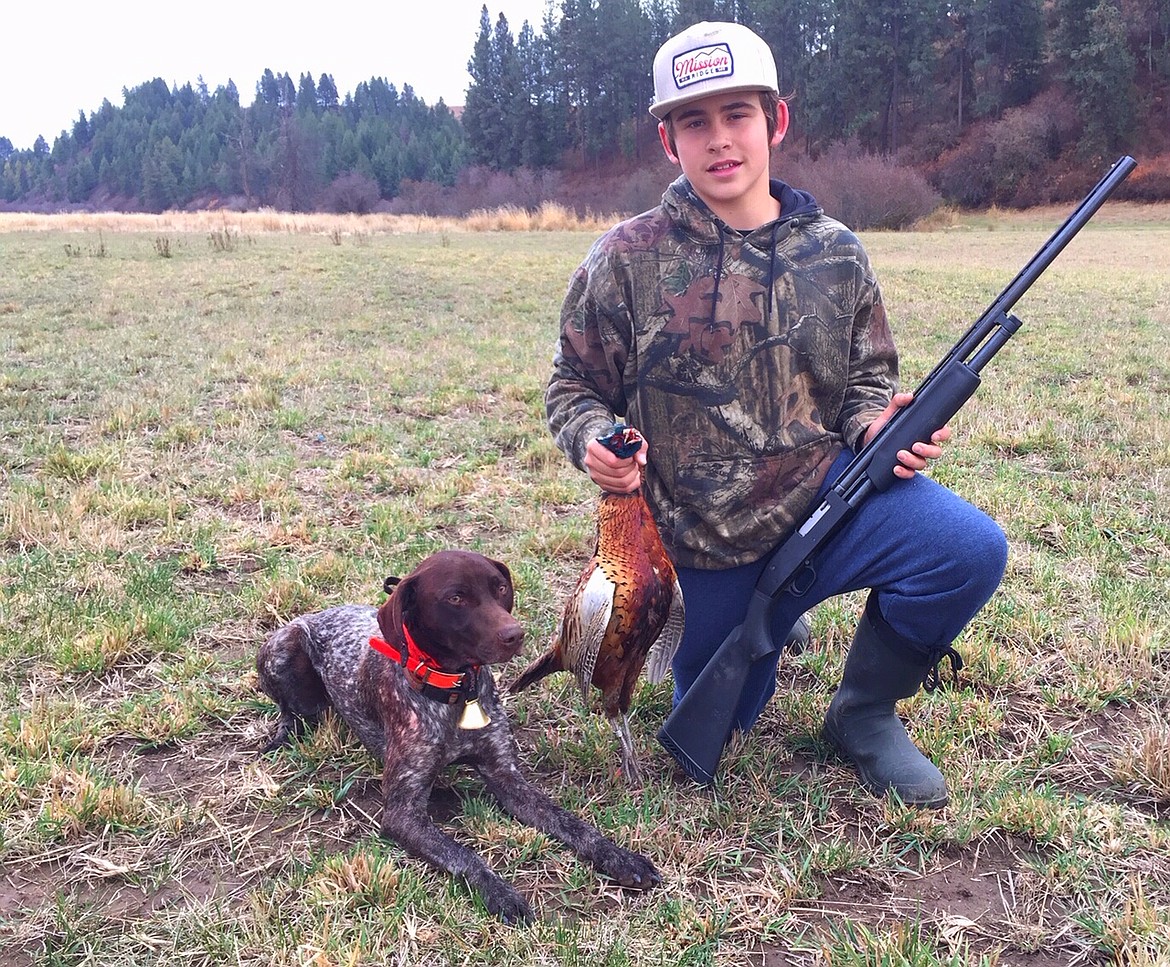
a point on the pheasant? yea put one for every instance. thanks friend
(625, 613)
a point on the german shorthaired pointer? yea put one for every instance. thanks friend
(412, 682)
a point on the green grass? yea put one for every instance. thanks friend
(196, 448)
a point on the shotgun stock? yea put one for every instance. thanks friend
(699, 726)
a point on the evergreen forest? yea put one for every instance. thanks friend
(1003, 102)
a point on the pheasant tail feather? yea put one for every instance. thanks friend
(546, 664)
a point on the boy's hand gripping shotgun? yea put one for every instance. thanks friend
(698, 728)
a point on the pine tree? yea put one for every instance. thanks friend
(267, 89)
(883, 55)
(307, 95)
(81, 132)
(541, 131)
(161, 172)
(483, 113)
(1005, 53)
(326, 93)
(512, 99)
(1100, 69)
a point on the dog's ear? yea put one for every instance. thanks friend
(390, 584)
(503, 569)
(394, 609)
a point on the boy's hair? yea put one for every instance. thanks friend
(769, 102)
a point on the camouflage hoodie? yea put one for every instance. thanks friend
(747, 360)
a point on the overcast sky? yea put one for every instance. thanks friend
(59, 57)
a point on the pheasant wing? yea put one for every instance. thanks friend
(586, 618)
(666, 644)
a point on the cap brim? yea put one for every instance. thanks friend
(661, 109)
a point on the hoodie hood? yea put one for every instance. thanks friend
(693, 216)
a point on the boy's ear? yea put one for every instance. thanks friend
(664, 137)
(781, 122)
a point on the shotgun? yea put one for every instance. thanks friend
(698, 727)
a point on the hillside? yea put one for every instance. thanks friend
(967, 104)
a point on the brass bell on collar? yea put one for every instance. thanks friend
(473, 717)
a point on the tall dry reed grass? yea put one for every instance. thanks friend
(549, 217)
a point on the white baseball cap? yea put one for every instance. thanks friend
(711, 58)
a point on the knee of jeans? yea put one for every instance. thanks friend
(971, 565)
(985, 556)
(686, 667)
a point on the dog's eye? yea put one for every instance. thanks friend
(502, 590)
(455, 598)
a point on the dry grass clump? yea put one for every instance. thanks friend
(549, 217)
(1146, 763)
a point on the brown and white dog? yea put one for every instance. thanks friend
(411, 680)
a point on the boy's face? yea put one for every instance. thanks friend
(721, 143)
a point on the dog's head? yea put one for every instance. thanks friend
(458, 607)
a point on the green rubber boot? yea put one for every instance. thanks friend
(863, 725)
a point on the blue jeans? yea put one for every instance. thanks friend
(932, 559)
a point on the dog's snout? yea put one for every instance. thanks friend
(510, 638)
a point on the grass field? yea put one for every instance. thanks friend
(208, 428)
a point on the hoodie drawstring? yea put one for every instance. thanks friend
(714, 323)
(771, 281)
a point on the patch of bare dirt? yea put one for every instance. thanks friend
(974, 900)
(1102, 744)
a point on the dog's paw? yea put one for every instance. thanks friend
(503, 901)
(287, 729)
(629, 869)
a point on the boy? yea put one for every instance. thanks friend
(743, 332)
